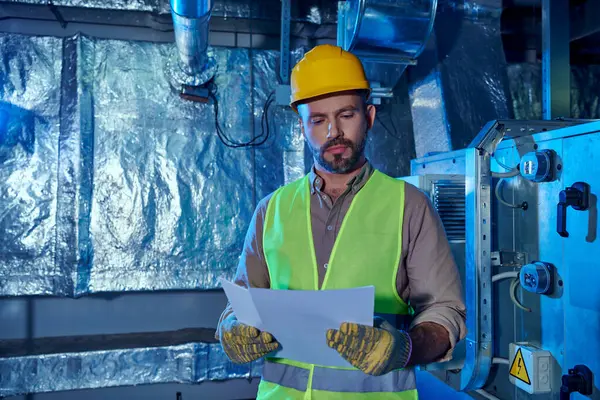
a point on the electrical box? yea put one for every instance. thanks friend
(282, 95)
(530, 368)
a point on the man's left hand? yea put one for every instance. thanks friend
(374, 350)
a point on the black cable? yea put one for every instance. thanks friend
(265, 130)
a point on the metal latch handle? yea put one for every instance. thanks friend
(576, 196)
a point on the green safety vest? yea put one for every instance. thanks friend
(366, 252)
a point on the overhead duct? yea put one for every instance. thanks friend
(191, 24)
(461, 80)
(386, 35)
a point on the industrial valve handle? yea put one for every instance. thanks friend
(576, 196)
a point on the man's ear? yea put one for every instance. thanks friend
(370, 114)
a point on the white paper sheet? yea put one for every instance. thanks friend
(299, 319)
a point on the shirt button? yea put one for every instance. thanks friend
(329, 227)
(324, 197)
(318, 181)
(326, 265)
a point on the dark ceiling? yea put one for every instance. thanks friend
(521, 25)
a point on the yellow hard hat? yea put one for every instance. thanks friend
(326, 69)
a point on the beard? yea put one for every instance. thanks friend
(339, 164)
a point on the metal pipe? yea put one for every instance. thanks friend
(190, 23)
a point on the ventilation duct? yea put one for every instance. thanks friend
(461, 80)
(386, 35)
(191, 24)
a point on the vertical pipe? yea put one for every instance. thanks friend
(191, 24)
(556, 65)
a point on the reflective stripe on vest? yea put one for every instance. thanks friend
(338, 380)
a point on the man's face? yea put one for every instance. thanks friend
(336, 129)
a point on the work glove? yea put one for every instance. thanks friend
(243, 343)
(375, 350)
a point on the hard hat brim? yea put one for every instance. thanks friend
(322, 94)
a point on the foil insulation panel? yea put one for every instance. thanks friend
(30, 97)
(430, 124)
(314, 11)
(130, 5)
(112, 182)
(190, 363)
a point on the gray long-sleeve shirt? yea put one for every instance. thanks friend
(427, 276)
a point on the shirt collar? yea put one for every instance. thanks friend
(354, 184)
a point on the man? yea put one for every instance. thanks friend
(346, 225)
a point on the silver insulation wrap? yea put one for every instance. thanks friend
(460, 82)
(315, 11)
(191, 363)
(112, 182)
(30, 95)
(130, 5)
(526, 91)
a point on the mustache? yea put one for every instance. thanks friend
(339, 141)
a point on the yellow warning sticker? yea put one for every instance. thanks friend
(518, 368)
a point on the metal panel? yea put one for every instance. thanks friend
(551, 317)
(555, 323)
(580, 263)
(564, 322)
(523, 231)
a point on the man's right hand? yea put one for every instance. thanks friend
(243, 343)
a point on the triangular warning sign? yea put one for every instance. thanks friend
(518, 369)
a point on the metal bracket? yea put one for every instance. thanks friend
(478, 271)
(57, 14)
(488, 138)
(284, 53)
(508, 259)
